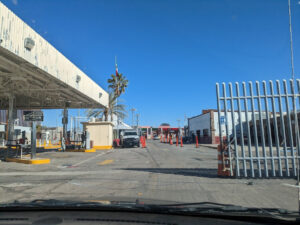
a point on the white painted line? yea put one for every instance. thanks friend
(291, 185)
(86, 160)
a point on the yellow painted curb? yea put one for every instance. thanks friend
(29, 161)
(81, 150)
(104, 147)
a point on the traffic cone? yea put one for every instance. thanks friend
(181, 143)
(197, 144)
(176, 140)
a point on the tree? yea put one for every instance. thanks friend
(118, 83)
(113, 108)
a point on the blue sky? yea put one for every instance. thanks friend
(172, 51)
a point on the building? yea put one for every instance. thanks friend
(206, 125)
(21, 127)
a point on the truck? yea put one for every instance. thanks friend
(129, 138)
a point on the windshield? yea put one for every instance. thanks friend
(209, 89)
(130, 133)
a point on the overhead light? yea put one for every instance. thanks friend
(78, 78)
(29, 43)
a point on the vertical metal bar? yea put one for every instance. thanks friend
(241, 128)
(33, 140)
(276, 128)
(234, 130)
(219, 113)
(298, 86)
(269, 129)
(255, 129)
(290, 130)
(262, 133)
(283, 129)
(248, 129)
(226, 126)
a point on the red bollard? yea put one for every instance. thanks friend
(197, 144)
(181, 143)
(177, 140)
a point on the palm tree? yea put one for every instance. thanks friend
(118, 83)
(112, 109)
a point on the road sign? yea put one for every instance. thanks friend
(33, 115)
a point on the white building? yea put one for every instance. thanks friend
(206, 125)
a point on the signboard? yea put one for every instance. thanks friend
(33, 115)
(222, 120)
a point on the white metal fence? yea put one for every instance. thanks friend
(266, 142)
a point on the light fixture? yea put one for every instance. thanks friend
(29, 43)
(78, 78)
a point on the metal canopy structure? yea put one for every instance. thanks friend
(37, 75)
(34, 75)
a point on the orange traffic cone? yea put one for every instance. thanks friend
(197, 144)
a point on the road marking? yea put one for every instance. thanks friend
(105, 162)
(86, 160)
(291, 185)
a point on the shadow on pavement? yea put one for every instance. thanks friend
(196, 172)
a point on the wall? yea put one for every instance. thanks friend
(13, 32)
(199, 123)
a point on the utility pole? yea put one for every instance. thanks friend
(294, 103)
(137, 123)
(132, 114)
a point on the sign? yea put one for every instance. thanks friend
(222, 120)
(33, 115)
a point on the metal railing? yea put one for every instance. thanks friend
(260, 127)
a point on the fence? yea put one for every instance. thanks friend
(260, 128)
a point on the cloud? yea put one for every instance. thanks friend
(15, 2)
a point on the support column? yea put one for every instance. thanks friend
(65, 123)
(10, 125)
(33, 140)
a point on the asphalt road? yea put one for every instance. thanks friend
(157, 173)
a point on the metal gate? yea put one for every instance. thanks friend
(259, 129)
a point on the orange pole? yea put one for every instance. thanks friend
(181, 144)
(177, 140)
(171, 142)
(168, 139)
(160, 139)
(197, 144)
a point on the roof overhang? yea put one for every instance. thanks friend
(41, 77)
